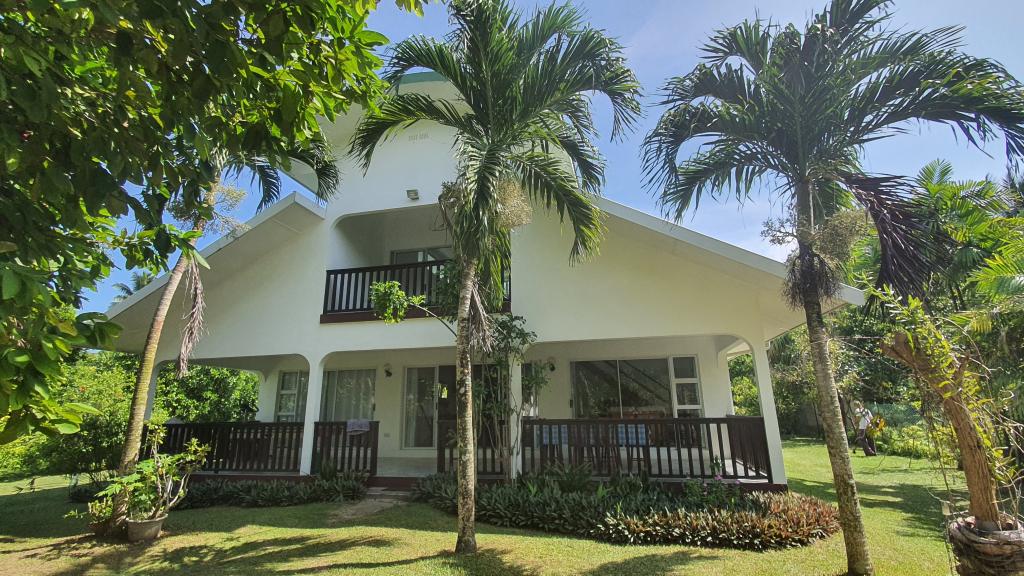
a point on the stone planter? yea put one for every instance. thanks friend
(144, 530)
(985, 553)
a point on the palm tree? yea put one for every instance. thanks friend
(523, 129)
(316, 155)
(139, 281)
(794, 108)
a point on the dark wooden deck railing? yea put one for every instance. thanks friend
(334, 445)
(733, 447)
(347, 290)
(490, 462)
(241, 446)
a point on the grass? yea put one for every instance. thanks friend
(901, 513)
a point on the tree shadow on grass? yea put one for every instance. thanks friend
(917, 503)
(649, 564)
(41, 514)
(290, 555)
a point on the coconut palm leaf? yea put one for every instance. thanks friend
(787, 107)
(522, 114)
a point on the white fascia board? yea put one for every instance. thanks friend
(217, 245)
(847, 294)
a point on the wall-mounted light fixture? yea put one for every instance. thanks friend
(413, 194)
(387, 370)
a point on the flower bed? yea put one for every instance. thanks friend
(634, 511)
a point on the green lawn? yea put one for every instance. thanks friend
(900, 509)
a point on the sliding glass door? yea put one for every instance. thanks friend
(638, 388)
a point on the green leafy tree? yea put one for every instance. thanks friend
(793, 108)
(104, 380)
(523, 128)
(111, 107)
(207, 394)
(318, 156)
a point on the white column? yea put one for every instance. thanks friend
(771, 420)
(314, 388)
(515, 425)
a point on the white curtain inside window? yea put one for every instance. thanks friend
(348, 395)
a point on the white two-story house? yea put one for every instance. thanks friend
(636, 341)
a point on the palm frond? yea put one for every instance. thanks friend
(397, 113)
(547, 181)
(910, 249)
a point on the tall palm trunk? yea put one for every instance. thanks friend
(858, 559)
(147, 363)
(466, 471)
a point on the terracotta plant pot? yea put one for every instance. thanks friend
(144, 530)
(987, 553)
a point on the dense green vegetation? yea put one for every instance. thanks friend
(105, 381)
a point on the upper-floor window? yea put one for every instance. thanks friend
(421, 255)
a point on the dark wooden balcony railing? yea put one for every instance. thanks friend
(490, 461)
(345, 450)
(347, 290)
(734, 447)
(241, 446)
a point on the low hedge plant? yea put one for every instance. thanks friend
(633, 510)
(267, 493)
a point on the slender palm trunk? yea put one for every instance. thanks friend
(144, 376)
(466, 541)
(147, 363)
(858, 559)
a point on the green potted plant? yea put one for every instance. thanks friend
(156, 486)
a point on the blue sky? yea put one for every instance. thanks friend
(662, 39)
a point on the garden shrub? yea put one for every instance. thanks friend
(347, 486)
(635, 511)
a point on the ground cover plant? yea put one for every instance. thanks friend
(266, 493)
(634, 510)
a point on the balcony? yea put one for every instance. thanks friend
(347, 290)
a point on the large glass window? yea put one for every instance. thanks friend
(644, 388)
(420, 408)
(348, 395)
(430, 398)
(291, 396)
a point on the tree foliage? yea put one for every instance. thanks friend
(105, 380)
(113, 107)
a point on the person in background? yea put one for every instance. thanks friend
(863, 417)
